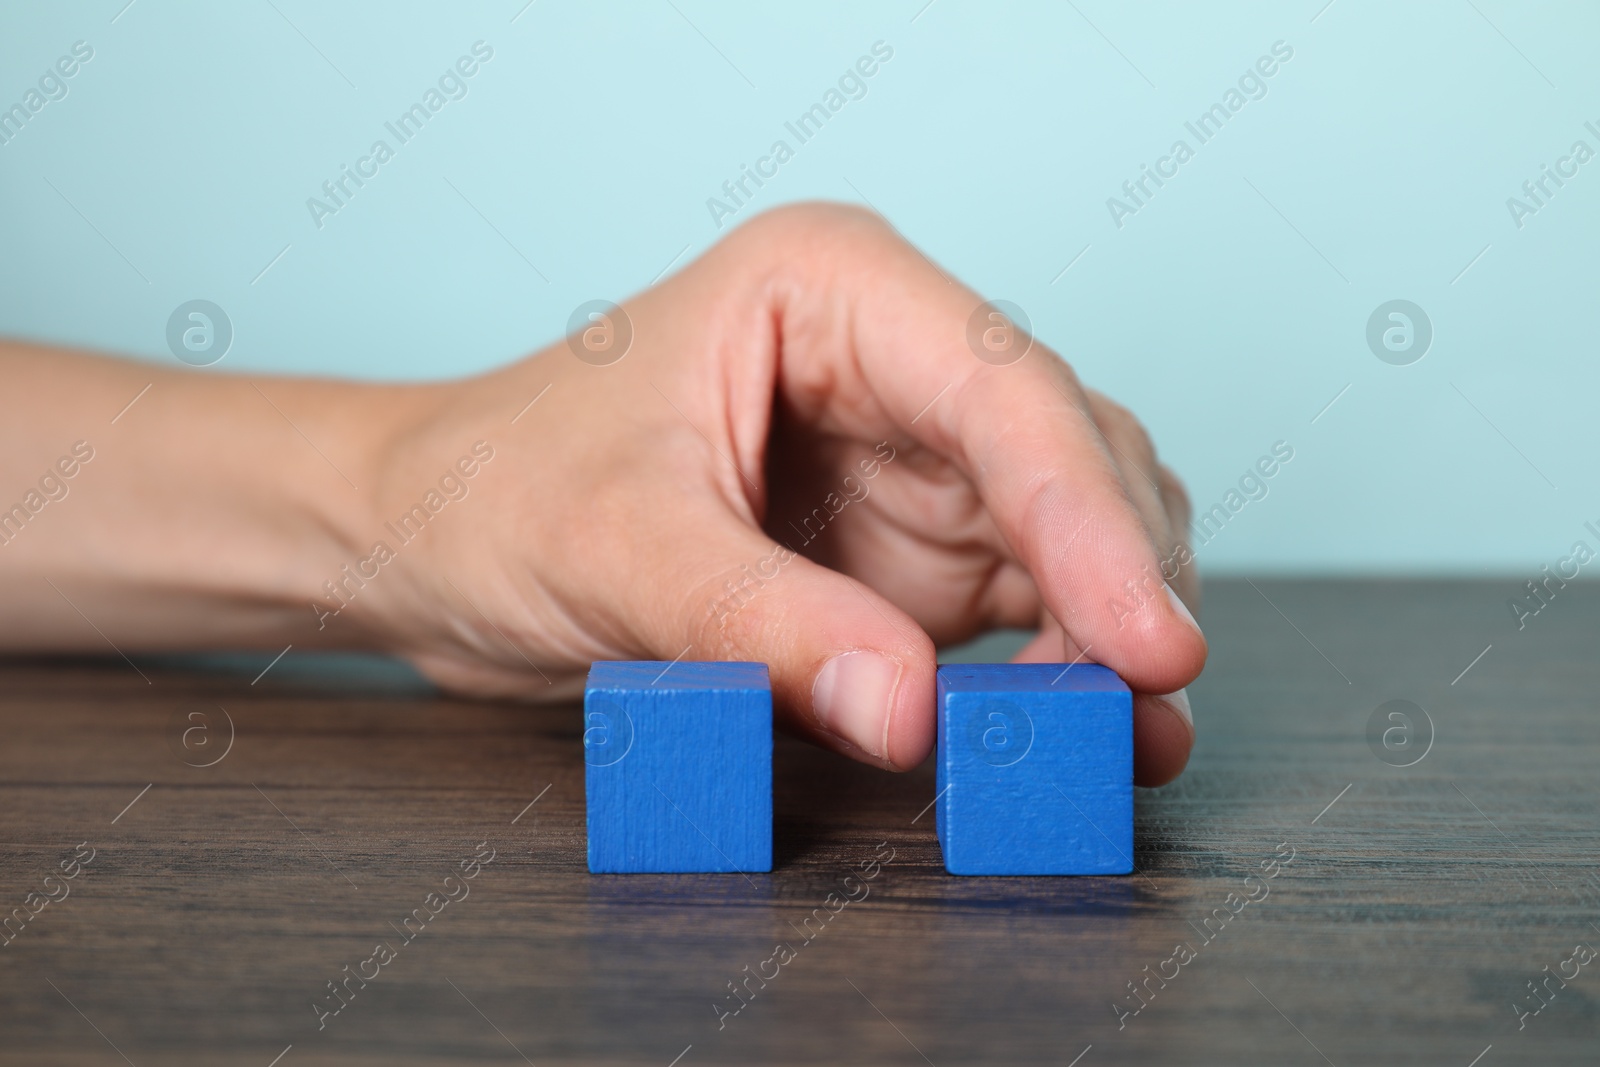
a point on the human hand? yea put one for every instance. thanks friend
(798, 461)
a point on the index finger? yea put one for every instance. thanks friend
(1021, 432)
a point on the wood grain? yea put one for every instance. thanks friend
(1419, 902)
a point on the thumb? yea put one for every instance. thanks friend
(850, 670)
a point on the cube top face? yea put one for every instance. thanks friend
(678, 777)
(652, 674)
(1029, 677)
(1035, 769)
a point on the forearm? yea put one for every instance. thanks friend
(203, 511)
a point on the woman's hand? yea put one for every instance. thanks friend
(797, 459)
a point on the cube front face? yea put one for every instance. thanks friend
(1035, 769)
(678, 767)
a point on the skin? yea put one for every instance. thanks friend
(623, 515)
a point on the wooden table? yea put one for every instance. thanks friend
(222, 900)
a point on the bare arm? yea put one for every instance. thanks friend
(195, 516)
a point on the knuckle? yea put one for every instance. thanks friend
(1069, 375)
(809, 219)
(1172, 486)
(1126, 431)
(817, 236)
(1144, 445)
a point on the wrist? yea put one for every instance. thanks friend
(346, 585)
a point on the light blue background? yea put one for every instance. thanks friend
(1391, 142)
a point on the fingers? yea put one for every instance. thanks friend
(1050, 645)
(1135, 458)
(1010, 600)
(849, 669)
(1163, 735)
(1024, 434)
(1155, 490)
(1179, 510)
(1163, 726)
(1175, 498)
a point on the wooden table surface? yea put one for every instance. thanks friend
(221, 900)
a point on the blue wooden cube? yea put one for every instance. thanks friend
(1035, 769)
(678, 766)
